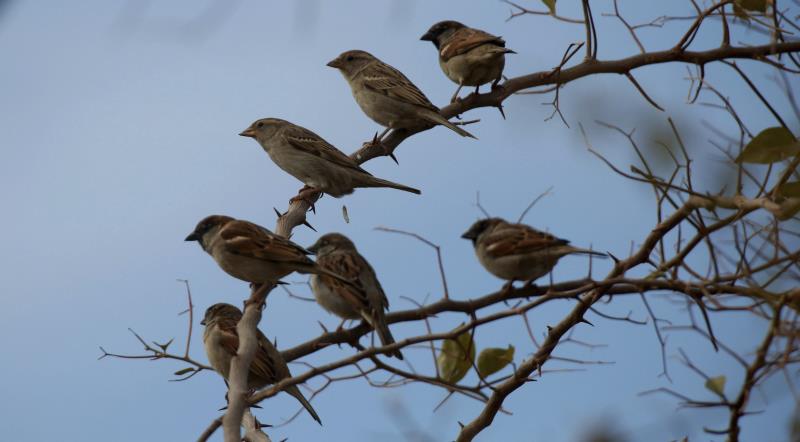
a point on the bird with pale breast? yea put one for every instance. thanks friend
(309, 158)
(363, 299)
(468, 56)
(221, 342)
(387, 96)
(252, 253)
(517, 252)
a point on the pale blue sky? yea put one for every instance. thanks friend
(119, 132)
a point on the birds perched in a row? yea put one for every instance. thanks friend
(468, 56)
(364, 299)
(221, 341)
(309, 158)
(517, 252)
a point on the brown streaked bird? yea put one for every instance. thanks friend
(221, 341)
(252, 253)
(364, 299)
(517, 252)
(387, 96)
(309, 158)
(468, 56)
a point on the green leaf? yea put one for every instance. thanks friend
(184, 371)
(456, 357)
(770, 145)
(791, 190)
(551, 5)
(492, 360)
(717, 385)
(752, 5)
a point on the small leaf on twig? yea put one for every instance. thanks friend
(164, 346)
(752, 5)
(492, 360)
(551, 5)
(770, 145)
(717, 385)
(345, 215)
(791, 190)
(184, 371)
(456, 357)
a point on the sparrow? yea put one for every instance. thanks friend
(387, 96)
(312, 160)
(221, 342)
(252, 253)
(363, 299)
(517, 252)
(468, 56)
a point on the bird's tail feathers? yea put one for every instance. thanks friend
(379, 182)
(579, 251)
(435, 117)
(295, 392)
(378, 323)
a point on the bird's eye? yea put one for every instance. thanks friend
(259, 124)
(349, 58)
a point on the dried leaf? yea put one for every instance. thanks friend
(717, 385)
(551, 5)
(770, 145)
(791, 190)
(492, 360)
(456, 357)
(184, 371)
(752, 5)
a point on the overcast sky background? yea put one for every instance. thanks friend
(119, 132)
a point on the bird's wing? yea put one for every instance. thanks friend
(251, 240)
(465, 40)
(311, 143)
(518, 239)
(382, 78)
(348, 266)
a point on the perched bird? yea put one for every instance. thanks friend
(252, 253)
(222, 341)
(312, 160)
(386, 95)
(469, 57)
(364, 299)
(516, 252)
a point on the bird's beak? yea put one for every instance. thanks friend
(335, 63)
(469, 234)
(249, 132)
(192, 237)
(313, 249)
(428, 36)
(203, 322)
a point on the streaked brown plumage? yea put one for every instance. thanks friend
(250, 252)
(517, 252)
(386, 95)
(364, 298)
(312, 160)
(221, 341)
(468, 56)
